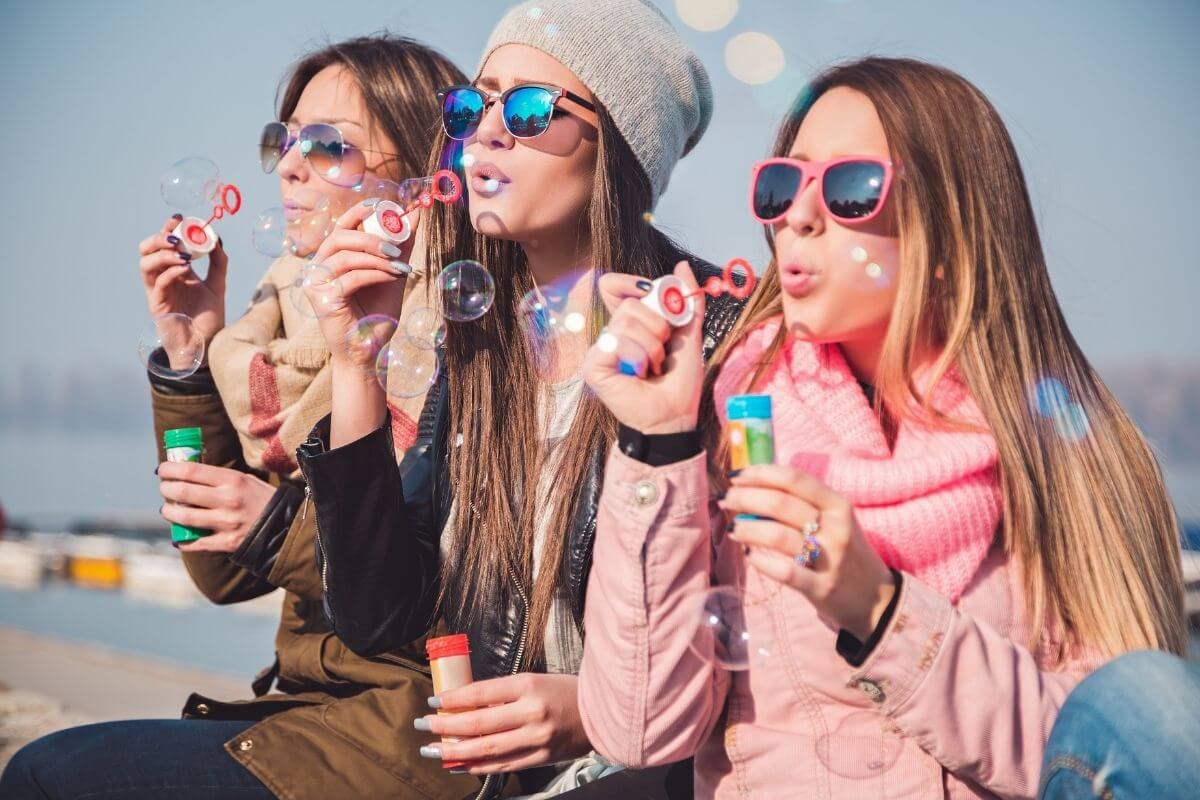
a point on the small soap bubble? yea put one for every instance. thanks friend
(706, 15)
(860, 747)
(648, 218)
(1050, 396)
(1071, 423)
(315, 292)
(270, 233)
(534, 13)
(722, 635)
(467, 291)
(426, 328)
(541, 311)
(310, 226)
(874, 271)
(574, 322)
(191, 185)
(406, 368)
(551, 30)
(369, 336)
(859, 254)
(181, 342)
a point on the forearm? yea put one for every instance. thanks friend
(359, 404)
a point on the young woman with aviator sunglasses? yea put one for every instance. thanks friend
(359, 113)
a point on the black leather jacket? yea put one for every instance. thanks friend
(379, 523)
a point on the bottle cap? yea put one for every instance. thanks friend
(749, 406)
(446, 646)
(183, 437)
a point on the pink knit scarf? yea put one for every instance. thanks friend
(930, 506)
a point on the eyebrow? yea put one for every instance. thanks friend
(330, 121)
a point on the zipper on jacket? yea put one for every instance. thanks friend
(320, 546)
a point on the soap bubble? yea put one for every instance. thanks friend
(406, 368)
(270, 233)
(181, 342)
(722, 635)
(1071, 422)
(467, 291)
(369, 336)
(1050, 396)
(425, 327)
(706, 15)
(541, 312)
(191, 185)
(309, 226)
(326, 292)
(860, 747)
(754, 58)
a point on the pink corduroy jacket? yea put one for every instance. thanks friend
(949, 704)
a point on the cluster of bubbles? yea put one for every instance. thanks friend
(752, 57)
(1051, 400)
(405, 363)
(170, 345)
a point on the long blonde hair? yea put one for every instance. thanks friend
(1086, 512)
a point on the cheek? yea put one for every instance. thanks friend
(857, 291)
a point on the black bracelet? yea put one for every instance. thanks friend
(855, 652)
(659, 449)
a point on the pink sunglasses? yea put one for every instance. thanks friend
(853, 188)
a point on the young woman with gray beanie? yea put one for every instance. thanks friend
(567, 138)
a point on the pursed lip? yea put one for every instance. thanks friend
(292, 210)
(796, 278)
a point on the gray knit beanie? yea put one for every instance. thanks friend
(631, 58)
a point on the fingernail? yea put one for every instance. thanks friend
(431, 751)
(720, 496)
(173, 239)
(177, 216)
(745, 549)
(733, 473)
(160, 509)
(434, 702)
(645, 286)
(390, 250)
(155, 470)
(371, 202)
(422, 724)
(400, 268)
(186, 256)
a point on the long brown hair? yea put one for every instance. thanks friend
(493, 396)
(1086, 512)
(397, 76)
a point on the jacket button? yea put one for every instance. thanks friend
(245, 744)
(202, 709)
(645, 493)
(871, 690)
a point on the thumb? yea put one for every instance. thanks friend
(691, 331)
(218, 265)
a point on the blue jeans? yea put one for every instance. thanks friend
(180, 759)
(1129, 730)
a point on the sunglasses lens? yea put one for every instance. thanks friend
(330, 156)
(854, 189)
(462, 109)
(271, 145)
(774, 190)
(527, 111)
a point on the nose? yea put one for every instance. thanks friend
(293, 167)
(491, 133)
(806, 217)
